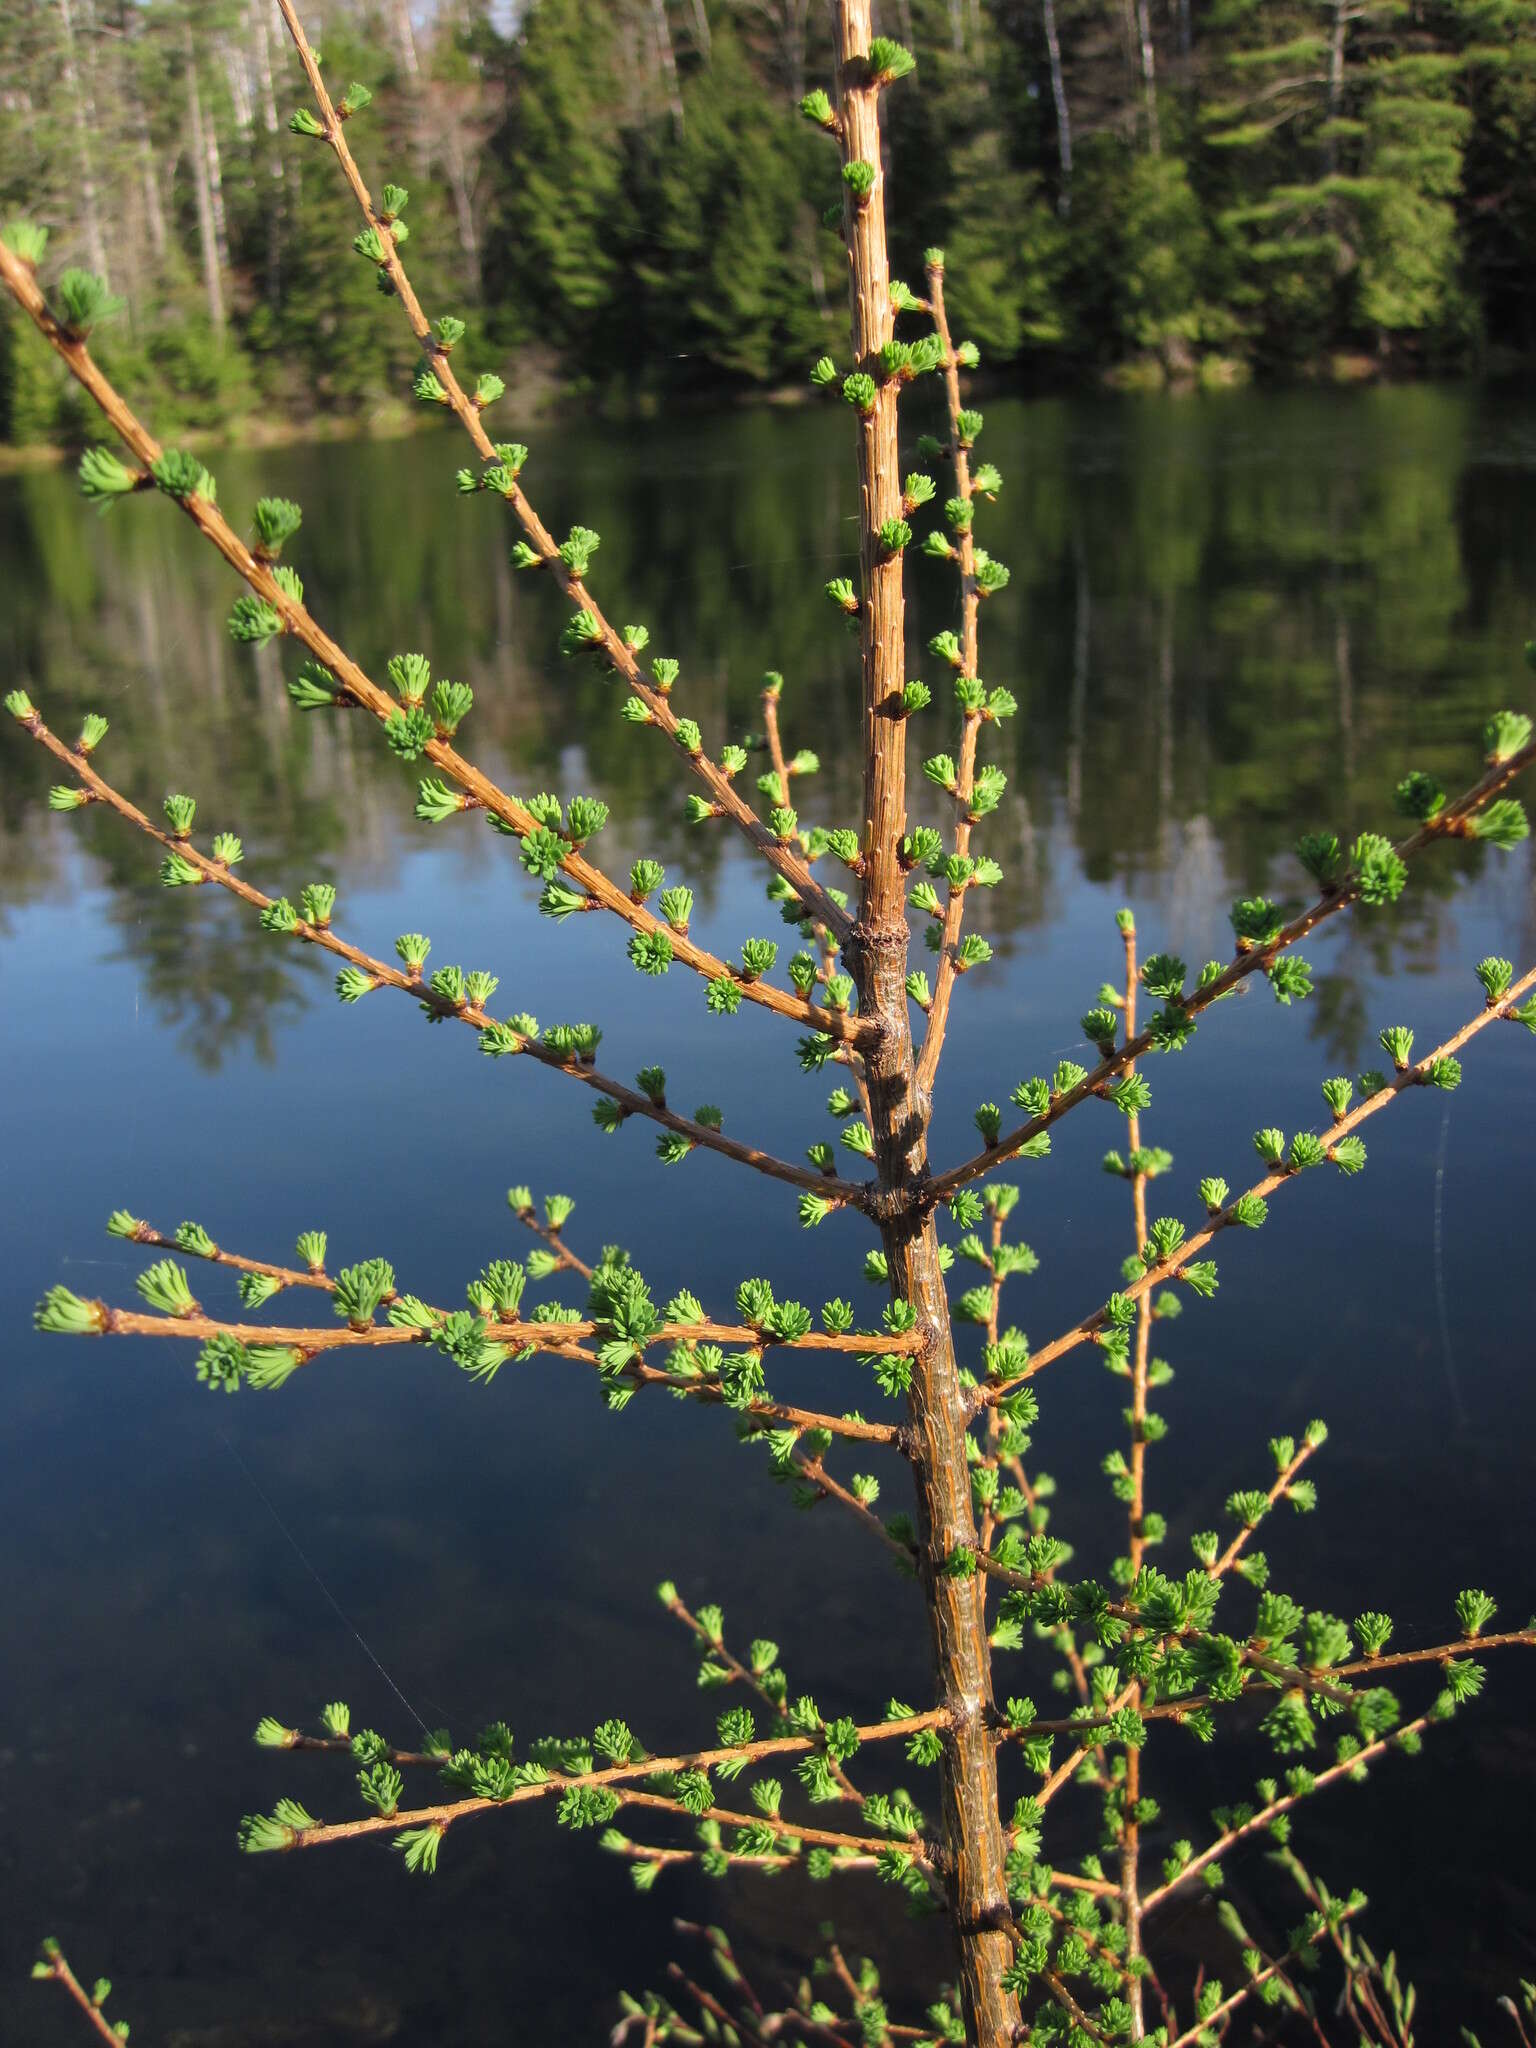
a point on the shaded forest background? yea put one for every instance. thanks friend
(620, 194)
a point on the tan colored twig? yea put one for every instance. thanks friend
(559, 1339)
(1415, 1075)
(970, 724)
(549, 1236)
(620, 1780)
(1449, 824)
(633, 1101)
(286, 1276)
(1219, 1567)
(814, 1473)
(479, 791)
(1257, 1823)
(727, 799)
(510, 1330)
(55, 1966)
(1202, 2028)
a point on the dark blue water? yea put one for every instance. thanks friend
(1229, 621)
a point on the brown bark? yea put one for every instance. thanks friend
(876, 951)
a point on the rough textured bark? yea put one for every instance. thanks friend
(876, 951)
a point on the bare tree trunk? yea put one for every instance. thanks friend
(405, 41)
(876, 949)
(213, 282)
(275, 212)
(1063, 111)
(463, 201)
(83, 118)
(701, 35)
(216, 196)
(1148, 75)
(1335, 85)
(668, 59)
(154, 212)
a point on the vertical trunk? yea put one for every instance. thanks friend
(409, 59)
(667, 59)
(795, 30)
(277, 180)
(463, 202)
(154, 213)
(877, 956)
(1148, 74)
(213, 282)
(405, 41)
(701, 34)
(83, 118)
(216, 196)
(1063, 111)
(1335, 85)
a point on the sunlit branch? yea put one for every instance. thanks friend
(1258, 1823)
(1201, 2030)
(730, 803)
(53, 1964)
(479, 791)
(1450, 823)
(971, 720)
(815, 1474)
(549, 1236)
(1415, 1075)
(1222, 1565)
(631, 1101)
(621, 1780)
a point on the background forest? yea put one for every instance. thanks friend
(620, 193)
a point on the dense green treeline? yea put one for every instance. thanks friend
(620, 193)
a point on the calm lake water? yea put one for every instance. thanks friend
(1230, 620)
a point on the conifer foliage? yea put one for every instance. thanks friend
(949, 1802)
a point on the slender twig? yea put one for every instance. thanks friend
(286, 1276)
(726, 798)
(55, 1965)
(1219, 1567)
(1202, 2028)
(1259, 1822)
(1450, 823)
(1415, 1075)
(632, 1101)
(480, 792)
(970, 724)
(1070, 2006)
(444, 1814)
(815, 1474)
(510, 1330)
(548, 1234)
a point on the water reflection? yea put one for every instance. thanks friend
(1225, 617)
